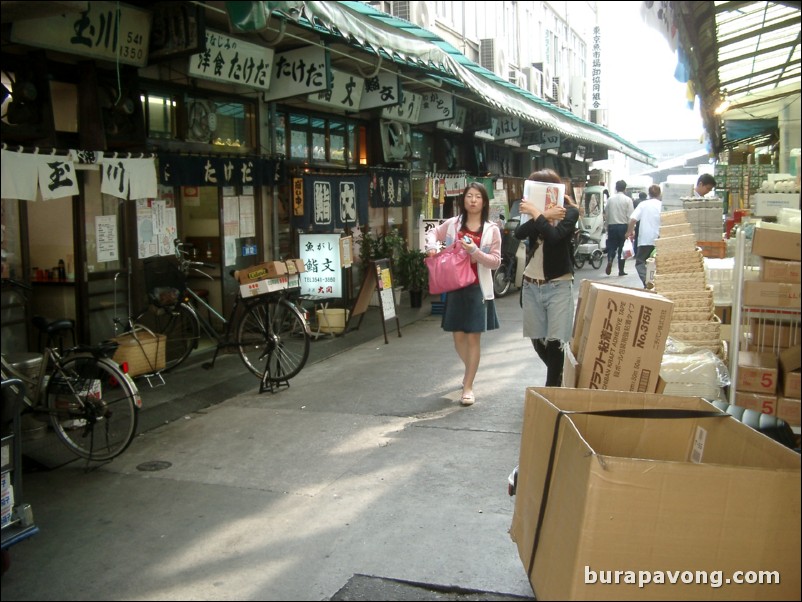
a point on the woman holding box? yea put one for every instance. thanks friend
(547, 294)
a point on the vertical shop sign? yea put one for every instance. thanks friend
(105, 30)
(321, 256)
(596, 69)
(300, 71)
(233, 61)
(297, 197)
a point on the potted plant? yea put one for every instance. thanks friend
(389, 245)
(413, 274)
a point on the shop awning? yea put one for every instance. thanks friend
(403, 43)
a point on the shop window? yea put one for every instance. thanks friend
(299, 137)
(221, 123)
(318, 139)
(159, 115)
(422, 144)
(337, 142)
(281, 133)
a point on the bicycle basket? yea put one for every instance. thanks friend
(163, 280)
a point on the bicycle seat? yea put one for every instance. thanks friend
(53, 329)
(105, 349)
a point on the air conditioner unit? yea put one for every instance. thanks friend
(401, 10)
(487, 54)
(519, 78)
(535, 79)
(423, 14)
(383, 5)
(562, 94)
(548, 84)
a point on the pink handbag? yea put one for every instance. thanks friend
(449, 270)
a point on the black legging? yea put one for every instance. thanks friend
(551, 352)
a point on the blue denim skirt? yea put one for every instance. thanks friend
(466, 310)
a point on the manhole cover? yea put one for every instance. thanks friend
(153, 466)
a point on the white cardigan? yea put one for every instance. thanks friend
(487, 256)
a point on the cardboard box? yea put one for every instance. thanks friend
(778, 242)
(790, 372)
(774, 334)
(603, 493)
(779, 270)
(759, 402)
(757, 372)
(260, 287)
(269, 269)
(295, 266)
(789, 410)
(622, 338)
(772, 294)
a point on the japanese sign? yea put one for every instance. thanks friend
(233, 61)
(457, 123)
(106, 237)
(390, 188)
(333, 202)
(596, 69)
(321, 256)
(175, 170)
(345, 92)
(408, 111)
(436, 106)
(105, 30)
(57, 178)
(551, 139)
(504, 127)
(300, 71)
(381, 91)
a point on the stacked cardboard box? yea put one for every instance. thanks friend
(619, 494)
(269, 277)
(618, 339)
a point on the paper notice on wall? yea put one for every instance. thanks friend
(247, 217)
(231, 217)
(106, 237)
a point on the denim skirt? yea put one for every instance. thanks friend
(548, 310)
(466, 310)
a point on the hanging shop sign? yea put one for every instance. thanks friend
(550, 139)
(384, 90)
(390, 188)
(503, 127)
(105, 30)
(177, 30)
(179, 170)
(29, 177)
(409, 109)
(396, 140)
(321, 256)
(455, 124)
(436, 106)
(300, 71)
(345, 92)
(332, 202)
(232, 61)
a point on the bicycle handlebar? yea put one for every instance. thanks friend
(18, 283)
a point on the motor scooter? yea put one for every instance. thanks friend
(586, 249)
(509, 273)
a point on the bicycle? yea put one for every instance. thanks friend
(269, 332)
(91, 404)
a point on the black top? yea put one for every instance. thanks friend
(556, 241)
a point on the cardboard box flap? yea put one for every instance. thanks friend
(653, 495)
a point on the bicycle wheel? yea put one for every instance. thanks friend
(502, 279)
(179, 324)
(273, 336)
(93, 407)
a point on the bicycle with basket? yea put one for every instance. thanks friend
(269, 333)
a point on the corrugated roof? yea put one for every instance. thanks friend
(402, 42)
(747, 53)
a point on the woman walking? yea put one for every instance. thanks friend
(470, 311)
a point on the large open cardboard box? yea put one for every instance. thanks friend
(652, 495)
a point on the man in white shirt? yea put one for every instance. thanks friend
(704, 185)
(647, 215)
(616, 217)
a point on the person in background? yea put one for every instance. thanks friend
(616, 219)
(647, 216)
(470, 311)
(547, 294)
(704, 185)
(636, 202)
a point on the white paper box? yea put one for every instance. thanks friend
(543, 195)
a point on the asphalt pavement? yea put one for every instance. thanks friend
(365, 479)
